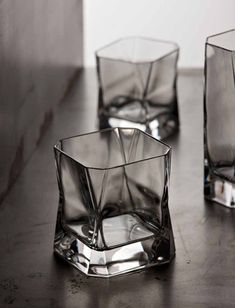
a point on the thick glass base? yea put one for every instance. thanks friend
(160, 127)
(140, 248)
(158, 120)
(219, 190)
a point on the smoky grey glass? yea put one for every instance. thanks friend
(137, 85)
(219, 119)
(113, 214)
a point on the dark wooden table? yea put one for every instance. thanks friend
(203, 272)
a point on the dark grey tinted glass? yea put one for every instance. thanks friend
(219, 119)
(137, 85)
(113, 213)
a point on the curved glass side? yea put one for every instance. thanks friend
(114, 219)
(137, 86)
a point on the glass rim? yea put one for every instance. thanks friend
(168, 150)
(219, 46)
(175, 50)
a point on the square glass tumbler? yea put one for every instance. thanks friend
(113, 212)
(137, 85)
(219, 118)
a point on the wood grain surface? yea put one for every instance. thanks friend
(202, 274)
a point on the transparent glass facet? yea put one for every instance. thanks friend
(219, 123)
(137, 85)
(113, 212)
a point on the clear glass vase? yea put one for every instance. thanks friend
(219, 118)
(137, 85)
(113, 212)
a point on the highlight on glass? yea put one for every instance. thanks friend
(113, 214)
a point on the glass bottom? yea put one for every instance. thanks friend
(154, 128)
(115, 231)
(219, 190)
(157, 120)
(136, 247)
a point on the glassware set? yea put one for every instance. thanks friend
(113, 214)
